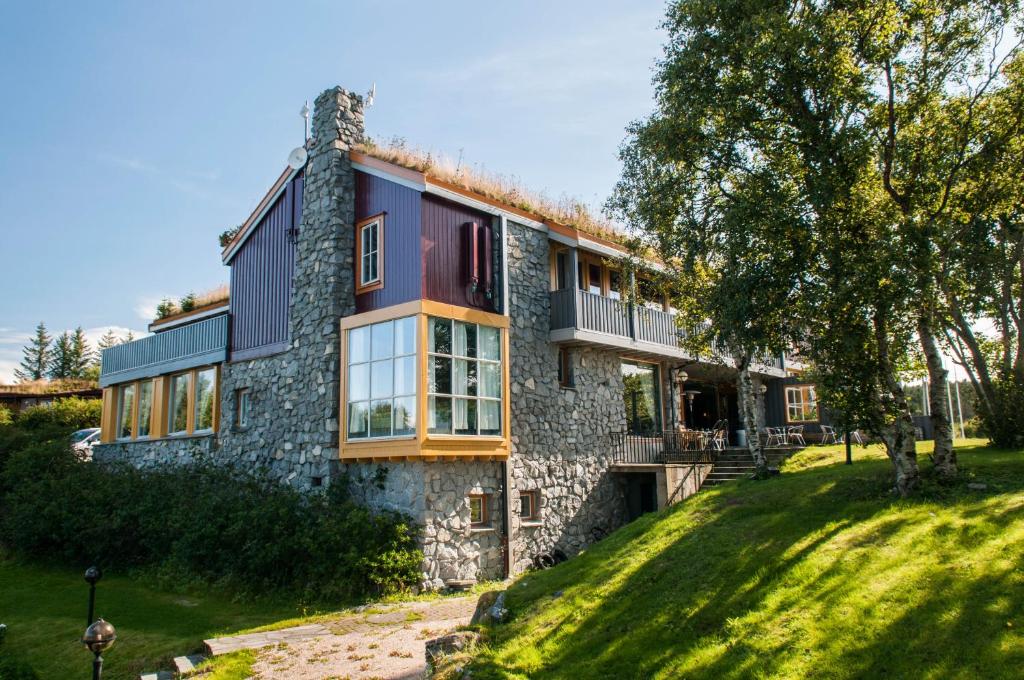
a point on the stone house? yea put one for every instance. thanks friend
(452, 356)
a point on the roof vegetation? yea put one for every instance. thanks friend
(49, 386)
(503, 188)
(168, 308)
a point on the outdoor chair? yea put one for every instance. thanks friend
(828, 435)
(719, 442)
(855, 436)
(795, 433)
(774, 437)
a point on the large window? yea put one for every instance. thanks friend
(145, 408)
(640, 394)
(177, 416)
(369, 250)
(125, 411)
(463, 378)
(801, 404)
(206, 380)
(382, 379)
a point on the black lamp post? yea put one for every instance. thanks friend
(98, 638)
(92, 575)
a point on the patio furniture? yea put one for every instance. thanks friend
(855, 436)
(776, 436)
(795, 433)
(719, 441)
(828, 435)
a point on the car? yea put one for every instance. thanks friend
(82, 442)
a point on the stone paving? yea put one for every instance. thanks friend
(385, 641)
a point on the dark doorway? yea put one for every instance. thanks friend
(699, 405)
(641, 494)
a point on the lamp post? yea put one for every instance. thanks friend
(99, 637)
(92, 575)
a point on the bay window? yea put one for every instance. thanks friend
(463, 378)
(382, 379)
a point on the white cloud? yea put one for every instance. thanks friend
(145, 307)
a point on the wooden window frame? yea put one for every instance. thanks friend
(377, 283)
(237, 423)
(534, 515)
(194, 402)
(119, 406)
(566, 378)
(803, 403)
(138, 404)
(485, 514)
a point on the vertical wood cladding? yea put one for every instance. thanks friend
(261, 279)
(445, 248)
(403, 266)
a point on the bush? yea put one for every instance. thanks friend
(5, 416)
(203, 523)
(73, 413)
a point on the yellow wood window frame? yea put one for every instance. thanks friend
(378, 282)
(485, 514)
(423, 445)
(806, 404)
(159, 417)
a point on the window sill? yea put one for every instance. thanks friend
(531, 524)
(481, 530)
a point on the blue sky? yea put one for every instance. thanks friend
(132, 134)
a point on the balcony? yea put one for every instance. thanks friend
(196, 344)
(584, 317)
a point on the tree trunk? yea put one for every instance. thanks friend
(943, 455)
(748, 410)
(898, 435)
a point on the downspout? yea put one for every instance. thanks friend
(505, 539)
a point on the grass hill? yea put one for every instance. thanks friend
(817, 573)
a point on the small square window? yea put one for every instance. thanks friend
(528, 506)
(242, 408)
(478, 515)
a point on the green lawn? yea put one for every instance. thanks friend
(817, 573)
(45, 611)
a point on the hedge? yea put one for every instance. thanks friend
(201, 523)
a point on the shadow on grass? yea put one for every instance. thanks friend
(819, 573)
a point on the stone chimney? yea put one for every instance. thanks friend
(323, 284)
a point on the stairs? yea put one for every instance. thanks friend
(736, 463)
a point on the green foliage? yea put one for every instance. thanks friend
(166, 308)
(5, 416)
(72, 413)
(228, 235)
(821, 574)
(203, 523)
(187, 303)
(36, 357)
(62, 358)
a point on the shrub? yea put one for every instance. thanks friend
(203, 523)
(5, 416)
(187, 303)
(73, 413)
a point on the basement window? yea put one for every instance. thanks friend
(528, 511)
(566, 379)
(478, 514)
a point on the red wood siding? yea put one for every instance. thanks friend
(445, 268)
(403, 270)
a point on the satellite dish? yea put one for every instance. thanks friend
(297, 158)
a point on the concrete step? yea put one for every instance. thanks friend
(159, 675)
(186, 665)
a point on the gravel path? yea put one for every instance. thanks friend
(385, 641)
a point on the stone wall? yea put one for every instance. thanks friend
(436, 496)
(151, 454)
(561, 438)
(294, 395)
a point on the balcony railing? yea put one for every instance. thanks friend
(196, 344)
(582, 310)
(662, 447)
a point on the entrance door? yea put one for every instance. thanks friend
(641, 494)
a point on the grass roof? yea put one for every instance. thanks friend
(503, 188)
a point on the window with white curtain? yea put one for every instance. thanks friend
(381, 382)
(463, 378)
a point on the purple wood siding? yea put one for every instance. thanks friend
(402, 263)
(261, 279)
(444, 253)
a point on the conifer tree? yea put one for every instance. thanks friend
(81, 354)
(36, 360)
(62, 357)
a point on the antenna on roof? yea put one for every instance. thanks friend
(304, 112)
(370, 95)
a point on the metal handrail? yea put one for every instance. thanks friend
(660, 447)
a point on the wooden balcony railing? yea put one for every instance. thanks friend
(582, 310)
(196, 344)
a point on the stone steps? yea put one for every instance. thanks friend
(184, 666)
